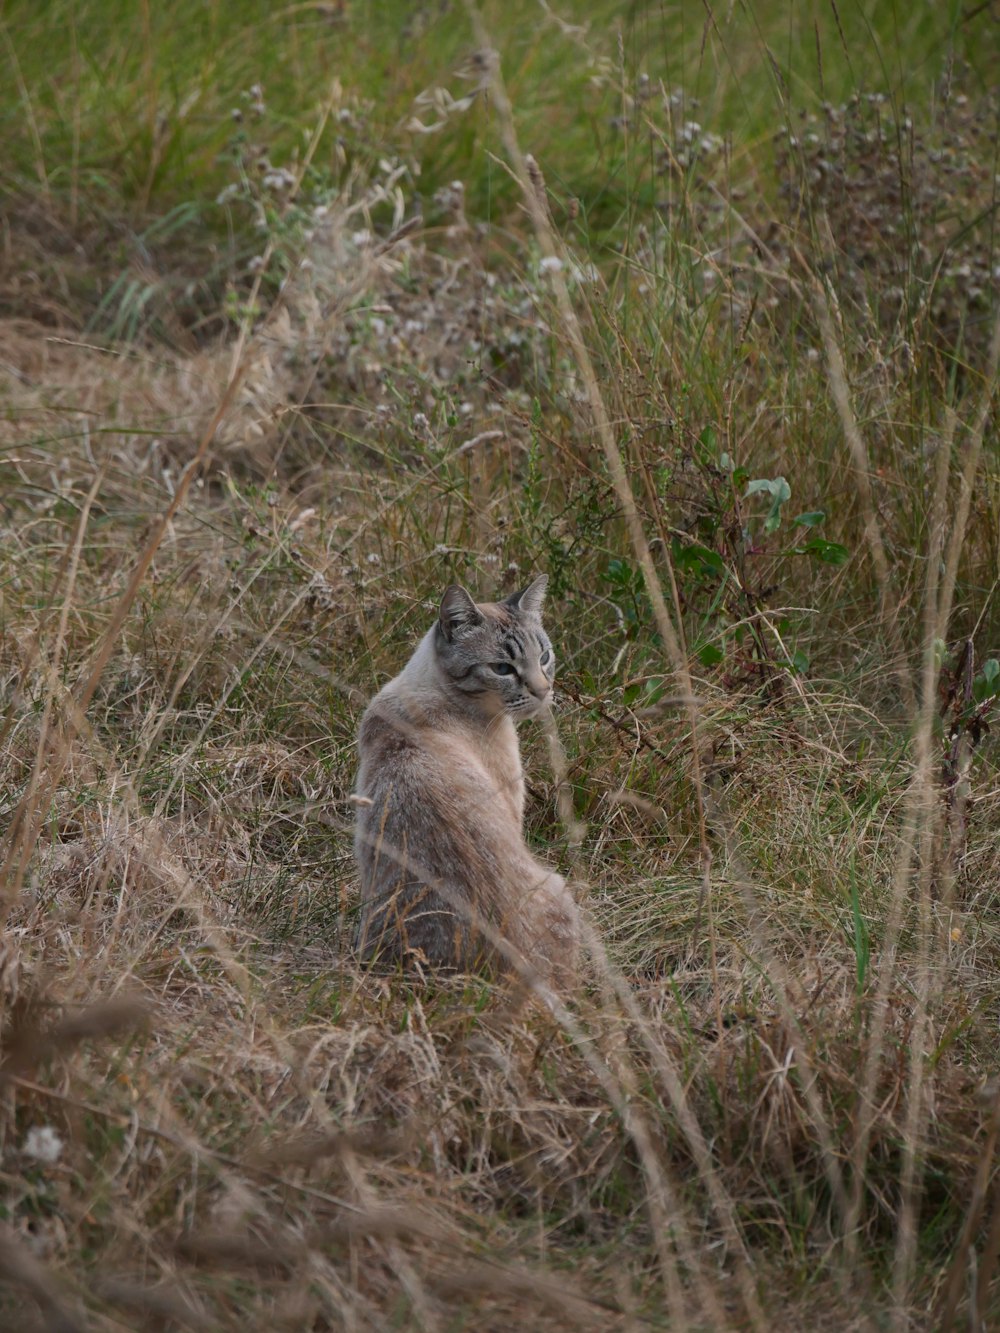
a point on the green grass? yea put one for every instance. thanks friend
(771, 1102)
(156, 136)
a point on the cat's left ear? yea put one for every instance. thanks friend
(529, 600)
(458, 612)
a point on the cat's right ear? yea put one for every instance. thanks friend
(458, 612)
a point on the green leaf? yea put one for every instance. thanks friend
(705, 449)
(701, 559)
(709, 655)
(812, 519)
(779, 491)
(619, 573)
(630, 694)
(831, 553)
(760, 484)
(654, 689)
(862, 942)
(987, 682)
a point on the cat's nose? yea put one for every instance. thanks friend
(539, 687)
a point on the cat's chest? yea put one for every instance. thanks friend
(500, 756)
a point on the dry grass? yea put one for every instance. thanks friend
(774, 1102)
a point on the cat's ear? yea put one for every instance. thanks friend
(529, 600)
(458, 612)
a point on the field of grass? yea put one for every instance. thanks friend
(307, 312)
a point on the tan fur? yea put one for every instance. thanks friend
(446, 873)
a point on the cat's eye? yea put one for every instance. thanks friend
(545, 658)
(503, 668)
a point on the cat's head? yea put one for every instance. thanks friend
(497, 654)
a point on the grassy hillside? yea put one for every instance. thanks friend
(306, 313)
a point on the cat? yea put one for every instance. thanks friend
(446, 876)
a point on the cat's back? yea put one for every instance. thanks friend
(386, 733)
(419, 756)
